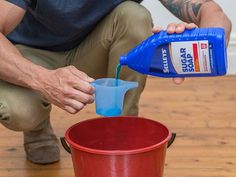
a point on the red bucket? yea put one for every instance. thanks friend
(118, 146)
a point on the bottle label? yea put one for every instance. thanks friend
(190, 57)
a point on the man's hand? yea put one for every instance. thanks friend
(176, 28)
(67, 88)
(204, 13)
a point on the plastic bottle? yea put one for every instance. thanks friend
(194, 53)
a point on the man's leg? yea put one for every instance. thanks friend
(126, 26)
(22, 109)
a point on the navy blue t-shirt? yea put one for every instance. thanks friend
(58, 25)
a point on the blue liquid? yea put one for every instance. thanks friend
(118, 68)
(110, 112)
(115, 111)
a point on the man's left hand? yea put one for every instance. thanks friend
(176, 28)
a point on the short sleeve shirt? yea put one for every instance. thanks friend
(58, 25)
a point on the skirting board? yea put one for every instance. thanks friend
(232, 55)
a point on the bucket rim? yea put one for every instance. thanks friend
(116, 152)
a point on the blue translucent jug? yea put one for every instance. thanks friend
(193, 53)
(109, 95)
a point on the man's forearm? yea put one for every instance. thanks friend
(191, 11)
(213, 16)
(186, 10)
(204, 13)
(14, 68)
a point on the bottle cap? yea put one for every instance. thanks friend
(123, 60)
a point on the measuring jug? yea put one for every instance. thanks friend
(109, 95)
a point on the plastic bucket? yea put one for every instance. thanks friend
(118, 146)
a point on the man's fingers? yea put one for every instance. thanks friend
(191, 26)
(157, 29)
(180, 28)
(81, 96)
(73, 106)
(70, 110)
(80, 80)
(171, 28)
(178, 80)
(83, 86)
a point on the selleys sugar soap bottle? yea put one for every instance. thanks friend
(193, 53)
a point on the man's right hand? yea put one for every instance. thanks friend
(67, 88)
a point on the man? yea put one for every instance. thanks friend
(50, 52)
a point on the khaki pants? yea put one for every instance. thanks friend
(22, 109)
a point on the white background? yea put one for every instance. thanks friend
(162, 17)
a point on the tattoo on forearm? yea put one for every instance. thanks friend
(186, 10)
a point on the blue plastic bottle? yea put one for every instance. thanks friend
(193, 53)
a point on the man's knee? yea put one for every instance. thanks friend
(133, 11)
(23, 115)
(135, 18)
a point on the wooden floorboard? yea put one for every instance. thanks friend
(202, 112)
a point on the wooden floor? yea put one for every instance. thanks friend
(202, 112)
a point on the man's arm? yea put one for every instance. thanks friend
(14, 67)
(204, 13)
(67, 87)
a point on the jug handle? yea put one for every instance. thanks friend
(131, 85)
(65, 145)
(173, 136)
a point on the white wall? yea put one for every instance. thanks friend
(162, 17)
